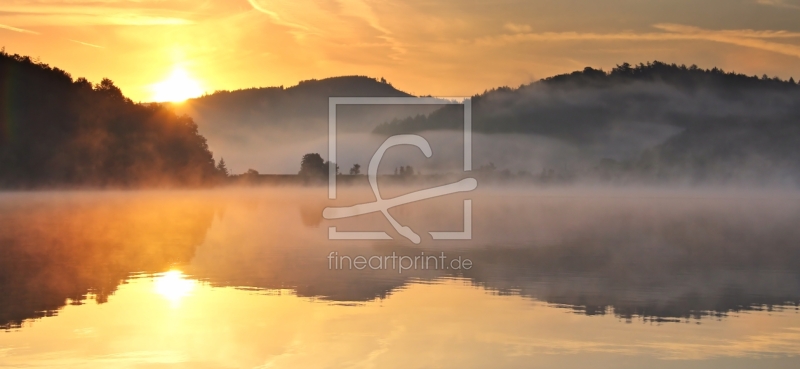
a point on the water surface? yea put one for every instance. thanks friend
(242, 279)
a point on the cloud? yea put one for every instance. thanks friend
(335, 22)
(362, 10)
(742, 33)
(91, 13)
(779, 3)
(517, 28)
(281, 20)
(747, 38)
(756, 39)
(15, 29)
(87, 44)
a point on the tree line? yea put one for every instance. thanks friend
(59, 131)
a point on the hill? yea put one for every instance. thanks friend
(703, 123)
(301, 107)
(57, 131)
(262, 128)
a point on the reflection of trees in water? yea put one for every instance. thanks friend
(310, 215)
(648, 285)
(686, 262)
(65, 247)
(681, 266)
(669, 264)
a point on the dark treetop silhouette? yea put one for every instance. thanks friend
(56, 131)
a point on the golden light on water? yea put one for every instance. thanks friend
(237, 318)
(178, 87)
(173, 286)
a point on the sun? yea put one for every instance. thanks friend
(178, 87)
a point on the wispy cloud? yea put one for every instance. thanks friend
(90, 13)
(86, 44)
(15, 29)
(747, 37)
(343, 21)
(779, 3)
(756, 39)
(517, 28)
(283, 20)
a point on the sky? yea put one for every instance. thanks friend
(441, 48)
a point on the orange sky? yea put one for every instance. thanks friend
(446, 47)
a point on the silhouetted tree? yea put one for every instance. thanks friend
(312, 165)
(487, 168)
(327, 166)
(222, 168)
(355, 170)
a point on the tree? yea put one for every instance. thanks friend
(106, 86)
(312, 165)
(327, 166)
(222, 168)
(488, 168)
(251, 172)
(355, 170)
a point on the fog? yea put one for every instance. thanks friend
(647, 131)
(639, 253)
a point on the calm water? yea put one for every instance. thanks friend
(243, 279)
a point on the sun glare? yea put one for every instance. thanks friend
(173, 286)
(178, 87)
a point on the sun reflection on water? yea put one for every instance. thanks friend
(173, 286)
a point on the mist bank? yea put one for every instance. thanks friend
(525, 159)
(637, 253)
(653, 124)
(265, 128)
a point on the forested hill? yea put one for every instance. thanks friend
(266, 128)
(302, 106)
(723, 125)
(581, 105)
(56, 131)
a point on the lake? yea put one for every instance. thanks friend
(248, 278)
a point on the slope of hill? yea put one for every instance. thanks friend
(56, 131)
(581, 105)
(301, 107)
(251, 127)
(705, 123)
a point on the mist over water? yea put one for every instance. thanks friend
(661, 256)
(642, 248)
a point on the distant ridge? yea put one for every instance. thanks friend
(707, 124)
(581, 104)
(250, 127)
(273, 105)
